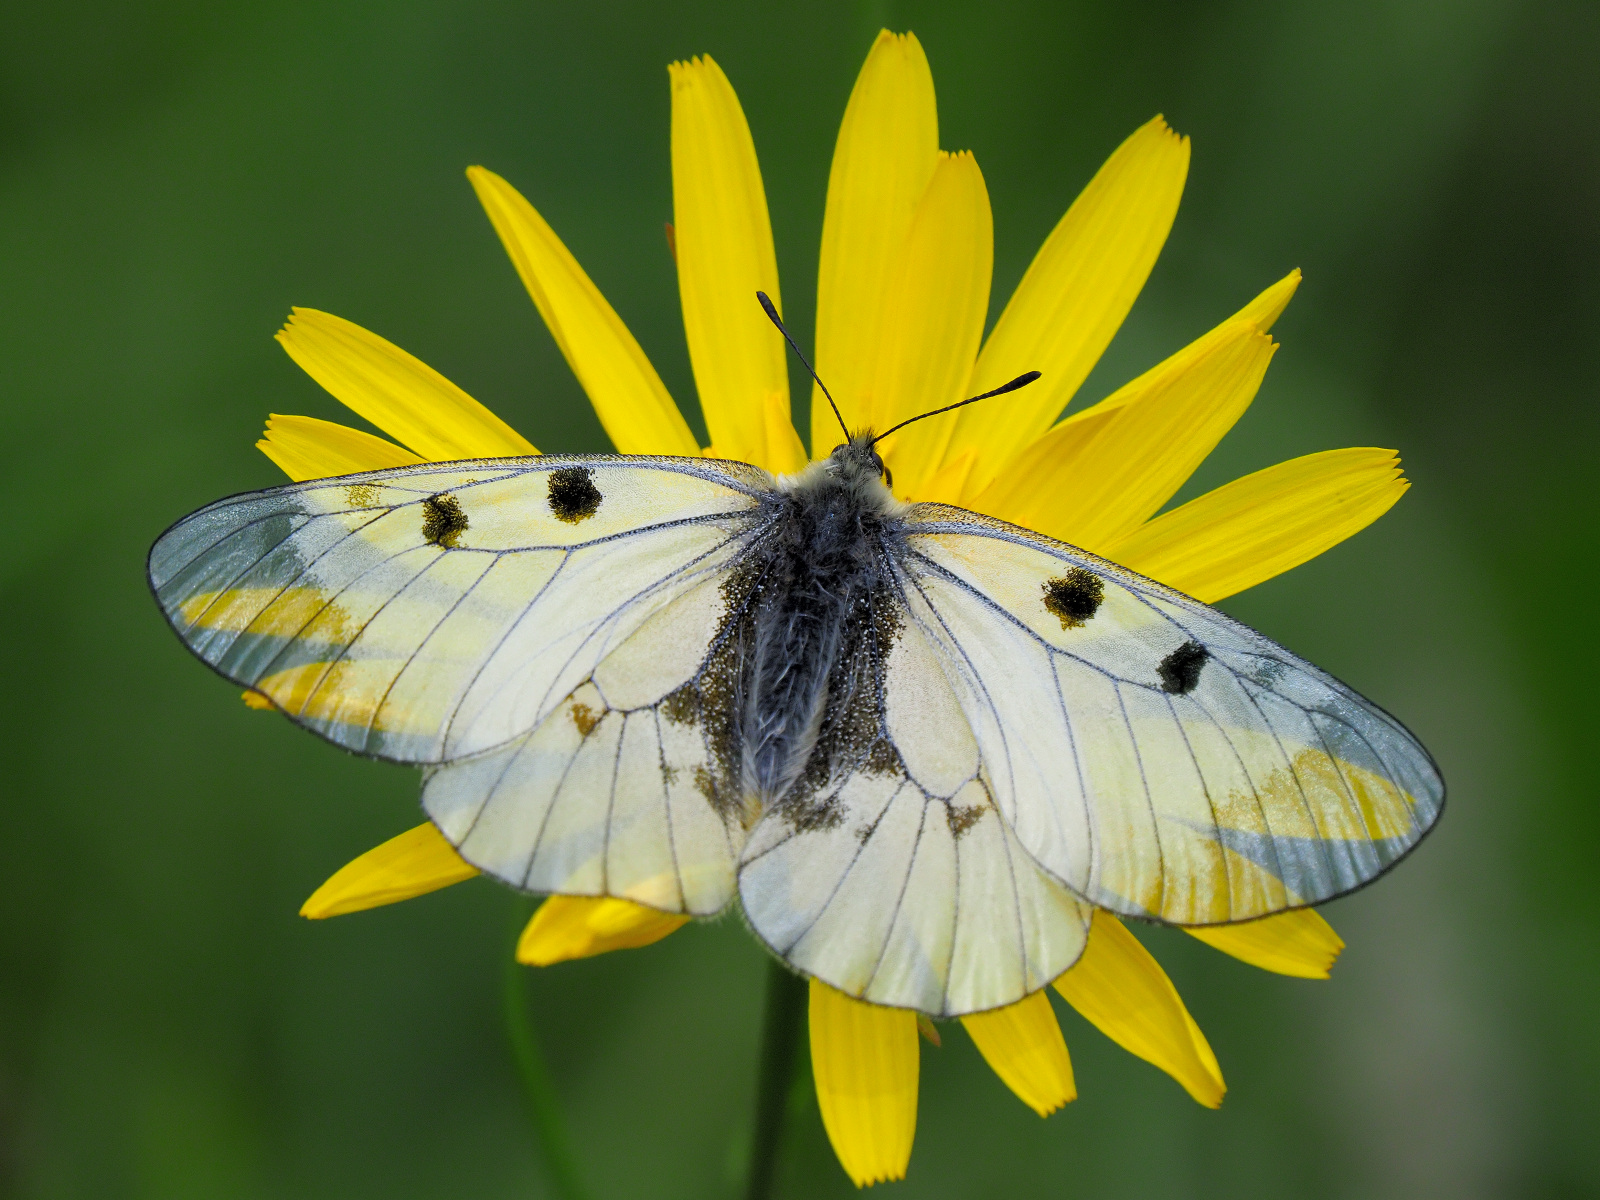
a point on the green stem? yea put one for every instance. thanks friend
(544, 1107)
(780, 1040)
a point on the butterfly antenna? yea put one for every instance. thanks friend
(1020, 381)
(772, 315)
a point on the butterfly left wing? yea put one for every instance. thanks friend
(887, 871)
(423, 613)
(1156, 756)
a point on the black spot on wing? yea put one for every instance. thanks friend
(573, 495)
(1180, 670)
(1075, 597)
(443, 522)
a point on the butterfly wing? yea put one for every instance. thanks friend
(887, 871)
(492, 613)
(1153, 754)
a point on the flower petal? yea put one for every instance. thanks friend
(1076, 293)
(786, 453)
(948, 484)
(1023, 1043)
(887, 150)
(931, 334)
(628, 396)
(401, 395)
(1296, 943)
(306, 448)
(1121, 990)
(1096, 477)
(725, 256)
(864, 1060)
(1264, 524)
(414, 863)
(566, 927)
(1261, 312)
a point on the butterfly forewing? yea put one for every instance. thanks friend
(425, 613)
(1156, 756)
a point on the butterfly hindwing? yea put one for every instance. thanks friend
(887, 871)
(1156, 756)
(625, 789)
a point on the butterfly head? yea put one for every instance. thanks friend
(855, 462)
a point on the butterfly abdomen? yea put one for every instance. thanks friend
(818, 631)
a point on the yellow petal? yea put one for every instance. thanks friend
(1075, 294)
(401, 395)
(939, 303)
(567, 927)
(947, 485)
(1297, 943)
(1261, 312)
(306, 448)
(725, 256)
(1097, 476)
(1023, 1043)
(864, 1059)
(412, 864)
(1264, 524)
(887, 150)
(786, 454)
(1122, 991)
(256, 701)
(628, 396)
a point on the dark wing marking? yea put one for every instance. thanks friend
(369, 618)
(1151, 779)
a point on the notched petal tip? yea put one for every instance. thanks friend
(1022, 1044)
(1298, 943)
(1120, 989)
(865, 1061)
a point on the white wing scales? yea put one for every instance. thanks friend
(556, 670)
(899, 883)
(523, 657)
(330, 598)
(1265, 785)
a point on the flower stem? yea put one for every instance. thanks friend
(544, 1107)
(780, 1040)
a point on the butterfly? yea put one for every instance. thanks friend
(916, 744)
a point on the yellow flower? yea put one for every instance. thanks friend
(902, 293)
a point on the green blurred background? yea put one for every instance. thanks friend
(175, 174)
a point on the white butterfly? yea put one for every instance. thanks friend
(916, 742)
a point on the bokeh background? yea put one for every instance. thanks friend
(175, 174)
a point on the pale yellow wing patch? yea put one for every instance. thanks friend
(1154, 755)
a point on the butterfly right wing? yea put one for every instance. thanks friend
(631, 786)
(523, 634)
(425, 613)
